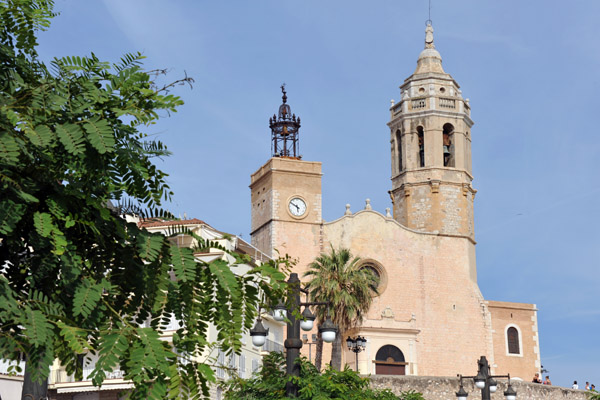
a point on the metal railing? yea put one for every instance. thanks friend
(4, 364)
(272, 347)
(61, 376)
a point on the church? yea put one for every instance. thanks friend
(429, 317)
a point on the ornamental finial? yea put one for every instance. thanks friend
(429, 36)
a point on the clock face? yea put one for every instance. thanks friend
(297, 207)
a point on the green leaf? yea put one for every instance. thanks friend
(76, 338)
(100, 135)
(184, 264)
(43, 224)
(149, 245)
(225, 277)
(10, 214)
(112, 347)
(87, 296)
(40, 136)
(71, 137)
(9, 149)
(27, 197)
(36, 327)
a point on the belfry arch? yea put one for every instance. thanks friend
(448, 145)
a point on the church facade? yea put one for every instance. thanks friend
(429, 317)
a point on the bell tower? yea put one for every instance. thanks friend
(431, 150)
(286, 195)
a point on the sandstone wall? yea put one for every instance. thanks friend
(430, 306)
(440, 388)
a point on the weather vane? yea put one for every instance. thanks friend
(284, 97)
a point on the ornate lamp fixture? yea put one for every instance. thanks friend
(486, 382)
(259, 333)
(293, 343)
(309, 318)
(279, 312)
(328, 331)
(356, 346)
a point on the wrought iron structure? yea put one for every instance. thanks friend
(284, 131)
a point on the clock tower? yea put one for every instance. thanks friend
(286, 195)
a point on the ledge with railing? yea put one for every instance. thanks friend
(61, 376)
(447, 103)
(272, 346)
(418, 103)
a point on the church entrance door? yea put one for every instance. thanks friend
(390, 361)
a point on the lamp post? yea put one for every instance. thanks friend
(356, 345)
(486, 382)
(293, 343)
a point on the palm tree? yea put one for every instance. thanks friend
(339, 278)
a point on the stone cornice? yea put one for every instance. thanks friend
(429, 113)
(393, 221)
(282, 220)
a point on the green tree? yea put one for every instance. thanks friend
(338, 277)
(75, 276)
(269, 384)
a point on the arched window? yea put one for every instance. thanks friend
(512, 339)
(421, 155)
(448, 133)
(389, 360)
(399, 149)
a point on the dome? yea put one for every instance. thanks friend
(430, 59)
(430, 53)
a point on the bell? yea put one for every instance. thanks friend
(446, 151)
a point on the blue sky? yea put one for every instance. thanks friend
(530, 69)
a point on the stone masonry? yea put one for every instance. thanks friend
(441, 388)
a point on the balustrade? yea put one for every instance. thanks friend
(447, 103)
(418, 103)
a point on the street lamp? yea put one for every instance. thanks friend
(279, 312)
(259, 333)
(309, 318)
(356, 345)
(293, 343)
(486, 382)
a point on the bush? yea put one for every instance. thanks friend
(269, 384)
(593, 395)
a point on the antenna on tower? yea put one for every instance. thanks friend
(428, 22)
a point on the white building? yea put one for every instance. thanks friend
(64, 387)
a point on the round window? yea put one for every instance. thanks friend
(378, 272)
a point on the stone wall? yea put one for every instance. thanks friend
(440, 388)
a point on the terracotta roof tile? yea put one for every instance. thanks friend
(151, 223)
